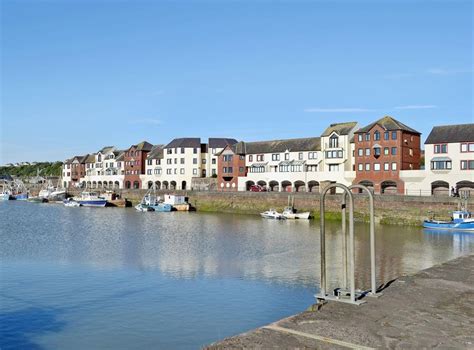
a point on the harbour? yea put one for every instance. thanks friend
(118, 278)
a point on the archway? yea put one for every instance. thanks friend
(89, 184)
(262, 184)
(128, 185)
(94, 184)
(465, 186)
(249, 184)
(111, 184)
(183, 185)
(313, 186)
(368, 184)
(388, 187)
(440, 188)
(99, 184)
(299, 186)
(150, 184)
(172, 185)
(274, 186)
(117, 184)
(158, 185)
(286, 186)
(136, 185)
(165, 185)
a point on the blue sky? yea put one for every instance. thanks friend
(79, 75)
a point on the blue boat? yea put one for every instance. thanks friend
(461, 220)
(152, 202)
(91, 199)
(21, 196)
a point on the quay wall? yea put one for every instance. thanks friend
(389, 209)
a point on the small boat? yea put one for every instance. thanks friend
(71, 203)
(143, 207)
(21, 196)
(37, 200)
(91, 199)
(5, 196)
(152, 202)
(272, 214)
(290, 213)
(461, 220)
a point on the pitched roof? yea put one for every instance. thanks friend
(90, 158)
(119, 156)
(187, 142)
(215, 142)
(451, 133)
(388, 123)
(278, 146)
(143, 146)
(339, 128)
(107, 149)
(156, 152)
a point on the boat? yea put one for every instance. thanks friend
(91, 199)
(21, 196)
(290, 213)
(152, 202)
(272, 214)
(52, 193)
(461, 220)
(37, 199)
(5, 195)
(19, 190)
(71, 203)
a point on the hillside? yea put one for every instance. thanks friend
(45, 169)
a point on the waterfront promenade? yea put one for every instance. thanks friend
(431, 309)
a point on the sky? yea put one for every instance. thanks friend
(80, 75)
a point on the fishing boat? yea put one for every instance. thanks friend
(91, 199)
(37, 199)
(272, 214)
(290, 213)
(461, 220)
(52, 193)
(152, 202)
(71, 203)
(21, 196)
(19, 190)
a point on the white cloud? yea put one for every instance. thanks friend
(146, 121)
(416, 107)
(442, 71)
(338, 110)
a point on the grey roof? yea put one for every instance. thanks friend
(187, 142)
(390, 124)
(221, 142)
(451, 133)
(90, 158)
(143, 146)
(278, 146)
(156, 152)
(107, 149)
(340, 128)
(80, 159)
(120, 156)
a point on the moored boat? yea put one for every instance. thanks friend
(91, 199)
(290, 213)
(152, 202)
(5, 196)
(461, 220)
(37, 200)
(272, 214)
(71, 203)
(21, 196)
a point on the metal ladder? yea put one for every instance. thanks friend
(343, 294)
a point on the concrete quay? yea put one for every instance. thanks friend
(431, 309)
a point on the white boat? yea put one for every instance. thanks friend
(290, 213)
(272, 214)
(5, 195)
(91, 199)
(71, 203)
(57, 195)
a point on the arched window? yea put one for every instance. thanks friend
(334, 141)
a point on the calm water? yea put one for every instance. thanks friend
(84, 278)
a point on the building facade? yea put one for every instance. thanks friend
(231, 166)
(134, 164)
(382, 150)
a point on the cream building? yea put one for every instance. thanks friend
(104, 169)
(449, 162)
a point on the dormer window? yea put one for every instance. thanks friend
(99, 158)
(334, 141)
(376, 135)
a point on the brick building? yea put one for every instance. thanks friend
(382, 150)
(231, 165)
(134, 164)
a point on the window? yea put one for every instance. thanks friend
(386, 135)
(334, 154)
(467, 164)
(442, 148)
(250, 158)
(367, 151)
(360, 152)
(386, 151)
(168, 171)
(195, 160)
(182, 160)
(377, 151)
(195, 151)
(312, 168)
(300, 156)
(259, 157)
(287, 156)
(228, 158)
(334, 141)
(275, 156)
(203, 161)
(195, 171)
(175, 171)
(157, 171)
(359, 137)
(241, 169)
(376, 166)
(360, 167)
(394, 166)
(367, 137)
(394, 151)
(410, 152)
(182, 150)
(467, 147)
(376, 135)
(181, 171)
(441, 165)
(176, 150)
(386, 166)
(394, 135)
(169, 161)
(333, 167)
(213, 150)
(242, 157)
(213, 161)
(176, 161)
(148, 172)
(284, 168)
(312, 155)
(367, 166)
(169, 151)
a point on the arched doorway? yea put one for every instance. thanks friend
(150, 184)
(128, 185)
(388, 187)
(172, 185)
(262, 184)
(300, 186)
(313, 186)
(165, 185)
(249, 184)
(368, 184)
(465, 186)
(136, 185)
(117, 184)
(94, 184)
(440, 188)
(158, 185)
(286, 186)
(183, 185)
(274, 186)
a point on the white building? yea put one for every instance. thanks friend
(301, 164)
(104, 169)
(73, 171)
(214, 147)
(449, 162)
